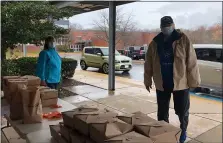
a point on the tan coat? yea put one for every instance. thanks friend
(185, 69)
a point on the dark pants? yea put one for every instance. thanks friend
(52, 85)
(181, 100)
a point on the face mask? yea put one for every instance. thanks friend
(52, 45)
(167, 31)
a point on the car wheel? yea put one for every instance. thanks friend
(105, 68)
(83, 65)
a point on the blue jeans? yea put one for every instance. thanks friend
(52, 85)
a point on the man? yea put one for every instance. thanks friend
(172, 63)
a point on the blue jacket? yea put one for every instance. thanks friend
(49, 66)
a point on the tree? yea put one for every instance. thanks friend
(124, 25)
(26, 22)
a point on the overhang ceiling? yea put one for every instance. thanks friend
(86, 6)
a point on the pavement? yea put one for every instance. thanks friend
(205, 124)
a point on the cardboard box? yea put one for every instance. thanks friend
(159, 131)
(48, 94)
(136, 118)
(83, 120)
(68, 115)
(131, 137)
(102, 129)
(49, 102)
(77, 137)
(31, 80)
(55, 133)
(65, 132)
(6, 78)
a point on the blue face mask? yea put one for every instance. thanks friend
(167, 31)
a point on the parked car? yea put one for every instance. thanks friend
(210, 58)
(97, 57)
(136, 52)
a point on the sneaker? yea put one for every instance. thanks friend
(183, 136)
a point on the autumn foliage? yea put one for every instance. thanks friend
(206, 35)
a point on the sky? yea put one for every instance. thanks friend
(187, 15)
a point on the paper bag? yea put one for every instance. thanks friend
(16, 111)
(82, 119)
(6, 78)
(131, 137)
(48, 94)
(31, 80)
(102, 130)
(158, 129)
(32, 107)
(49, 102)
(136, 118)
(68, 115)
(12, 89)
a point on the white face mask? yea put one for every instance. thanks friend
(167, 31)
(54, 44)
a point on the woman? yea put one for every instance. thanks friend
(49, 65)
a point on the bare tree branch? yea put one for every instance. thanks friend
(124, 26)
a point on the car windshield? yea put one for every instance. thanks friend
(105, 51)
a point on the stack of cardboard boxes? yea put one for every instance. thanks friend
(91, 125)
(24, 94)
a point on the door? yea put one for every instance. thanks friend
(88, 56)
(96, 58)
(210, 66)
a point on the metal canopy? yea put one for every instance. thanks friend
(86, 6)
(89, 6)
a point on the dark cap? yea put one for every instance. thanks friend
(166, 21)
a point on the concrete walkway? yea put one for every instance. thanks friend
(131, 96)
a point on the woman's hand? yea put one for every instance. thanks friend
(43, 83)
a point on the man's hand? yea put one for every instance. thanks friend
(43, 83)
(148, 88)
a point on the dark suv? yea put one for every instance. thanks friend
(136, 52)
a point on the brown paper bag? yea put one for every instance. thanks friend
(48, 94)
(102, 130)
(32, 107)
(82, 119)
(16, 111)
(131, 137)
(136, 118)
(31, 80)
(32, 114)
(30, 97)
(6, 78)
(156, 129)
(49, 102)
(15, 101)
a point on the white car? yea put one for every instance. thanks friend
(97, 57)
(210, 58)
